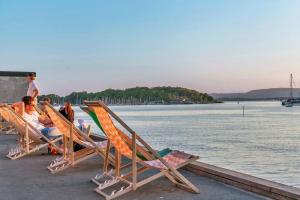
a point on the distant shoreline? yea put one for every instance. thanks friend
(137, 96)
(153, 104)
(259, 94)
(279, 99)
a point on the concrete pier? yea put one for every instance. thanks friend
(28, 179)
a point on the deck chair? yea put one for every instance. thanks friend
(141, 156)
(5, 125)
(72, 134)
(30, 139)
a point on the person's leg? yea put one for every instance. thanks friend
(47, 132)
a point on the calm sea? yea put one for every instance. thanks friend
(264, 143)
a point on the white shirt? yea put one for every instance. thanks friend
(33, 119)
(32, 86)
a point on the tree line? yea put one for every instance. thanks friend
(136, 96)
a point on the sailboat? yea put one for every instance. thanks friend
(291, 101)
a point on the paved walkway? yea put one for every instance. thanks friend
(28, 179)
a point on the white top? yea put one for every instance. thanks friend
(33, 119)
(32, 86)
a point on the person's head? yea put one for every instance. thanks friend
(67, 104)
(29, 104)
(43, 104)
(47, 99)
(30, 77)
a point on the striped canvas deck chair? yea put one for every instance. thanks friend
(5, 125)
(30, 139)
(71, 134)
(141, 155)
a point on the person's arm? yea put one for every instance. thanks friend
(18, 107)
(45, 120)
(35, 91)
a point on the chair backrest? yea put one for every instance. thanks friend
(101, 114)
(20, 123)
(4, 113)
(63, 125)
(111, 131)
(90, 111)
(92, 115)
(141, 152)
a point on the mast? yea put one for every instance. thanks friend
(291, 86)
(77, 99)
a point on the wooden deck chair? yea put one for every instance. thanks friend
(166, 166)
(72, 134)
(31, 139)
(5, 125)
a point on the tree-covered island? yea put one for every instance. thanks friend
(137, 96)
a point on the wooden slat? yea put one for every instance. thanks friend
(71, 142)
(106, 157)
(27, 137)
(64, 146)
(134, 164)
(118, 163)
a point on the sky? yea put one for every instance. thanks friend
(210, 46)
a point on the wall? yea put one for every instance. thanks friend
(13, 86)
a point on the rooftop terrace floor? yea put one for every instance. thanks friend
(28, 179)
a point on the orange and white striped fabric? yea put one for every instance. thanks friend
(111, 131)
(60, 124)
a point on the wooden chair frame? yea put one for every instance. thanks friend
(69, 157)
(6, 126)
(28, 142)
(170, 172)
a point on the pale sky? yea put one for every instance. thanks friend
(210, 46)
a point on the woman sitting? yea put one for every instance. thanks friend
(67, 111)
(40, 122)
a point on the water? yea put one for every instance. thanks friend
(265, 143)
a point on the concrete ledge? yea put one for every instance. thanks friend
(243, 181)
(15, 73)
(250, 183)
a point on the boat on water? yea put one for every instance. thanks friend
(291, 101)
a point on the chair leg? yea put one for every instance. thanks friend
(20, 152)
(185, 183)
(105, 165)
(118, 164)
